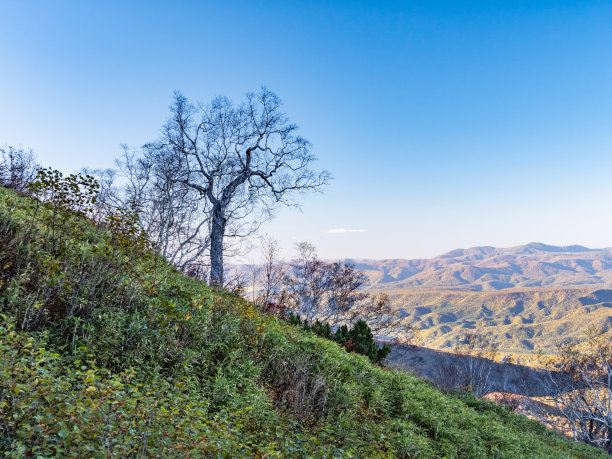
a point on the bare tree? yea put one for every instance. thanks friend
(321, 290)
(271, 274)
(331, 292)
(254, 278)
(583, 397)
(18, 167)
(479, 352)
(242, 160)
(472, 369)
(171, 212)
(384, 321)
(150, 181)
(307, 282)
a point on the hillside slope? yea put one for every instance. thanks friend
(106, 351)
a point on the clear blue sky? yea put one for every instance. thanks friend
(445, 124)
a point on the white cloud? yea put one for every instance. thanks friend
(342, 230)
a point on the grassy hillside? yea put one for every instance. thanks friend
(521, 320)
(106, 351)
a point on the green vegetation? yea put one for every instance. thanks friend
(358, 339)
(106, 350)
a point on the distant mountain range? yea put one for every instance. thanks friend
(490, 268)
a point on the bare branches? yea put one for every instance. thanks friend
(331, 293)
(243, 160)
(171, 211)
(381, 317)
(272, 274)
(18, 167)
(151, 181)
(472, 368)
(583, 397)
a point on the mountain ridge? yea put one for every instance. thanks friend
(484, 268)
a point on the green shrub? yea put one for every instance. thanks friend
(358, 339)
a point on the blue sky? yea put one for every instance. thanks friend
(444, 124)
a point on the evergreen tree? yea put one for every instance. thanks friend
(358, 339)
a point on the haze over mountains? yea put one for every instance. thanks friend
(489, 268)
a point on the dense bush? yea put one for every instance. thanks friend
(358, 339)
(57, 266)
(129, 358)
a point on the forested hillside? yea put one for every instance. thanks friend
(520, 320)
(528, 297)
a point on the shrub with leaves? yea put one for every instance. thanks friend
(56, 265)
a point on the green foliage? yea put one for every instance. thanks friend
(56, 266)
(154, 364)
(295, 320)
(358, 339)
(75, 193)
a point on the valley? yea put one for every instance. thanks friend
(522, 321)
(527, 298)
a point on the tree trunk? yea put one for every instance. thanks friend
(216, 247)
